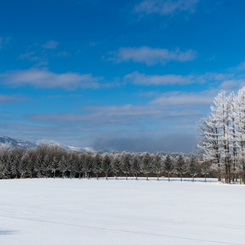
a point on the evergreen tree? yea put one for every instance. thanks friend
(106, 162)
(193, 169)
(97, 165)
(168, 166)
(146, 166)
(135, 167)
(180, 167)
(157, 166)
(126, 165)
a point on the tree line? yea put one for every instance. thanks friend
(51, 160)
(222, 138)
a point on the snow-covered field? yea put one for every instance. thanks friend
(56, 211)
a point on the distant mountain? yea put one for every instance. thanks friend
(16, 143)
(25, 144)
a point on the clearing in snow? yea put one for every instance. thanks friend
(63, 211)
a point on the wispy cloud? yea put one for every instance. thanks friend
(31, 56)
(11, 98)
(50, 45)
(63, 54)
(167, 108)
(143, 79)
(172, 79)
(165, 7)
(151, 56)
(42, 78)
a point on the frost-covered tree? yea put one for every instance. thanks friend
(22, 166)
(126, 165)
(71, 165)
(157, 166)
(205, 168)
(168, 166)
(88, 164)
(38, 165)
(79, 165)
(135, 167)
(54, 165)
(116, 166)
(29, 166)
(106, 162)
(192, 168)
(46, 165)
(97, 165)
(181, 166)
(146, 165)
(209, 142)
(62, 166)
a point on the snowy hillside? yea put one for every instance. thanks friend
(4, 140)
(15, 142)
(56, 211)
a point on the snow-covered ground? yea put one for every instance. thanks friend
(56, 211)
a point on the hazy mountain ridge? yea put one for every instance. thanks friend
(26, 144)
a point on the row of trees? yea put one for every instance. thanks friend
(51, 160)
(222, 138)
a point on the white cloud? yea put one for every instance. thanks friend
(183, 100)
(172, 79)
(29, 56)
(151, 56)
(10, 98)
(50, 45)
(143, 79)
(165, 7)
(47, 79)
(63, 53)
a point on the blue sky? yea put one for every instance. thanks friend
(123, 75)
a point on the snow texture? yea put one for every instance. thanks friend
(63, 211)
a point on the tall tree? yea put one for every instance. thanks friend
(181, 166)
(126, 165)
(79, 165)
(168, 166)
(97, 165)
(205, 168)
(46, 165)
(62, 166)
(146, 166)
(135, 167)
(106, 162)
(37, 165)
(54, 165)
(157, 166)
(192, 168)
(88, 164)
